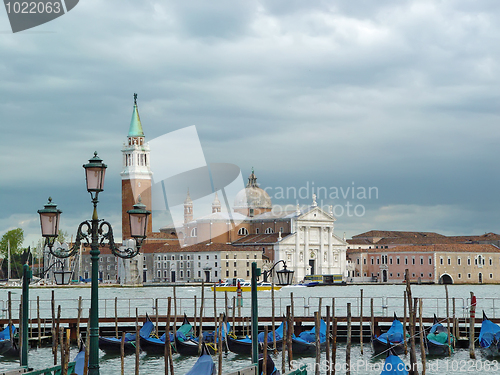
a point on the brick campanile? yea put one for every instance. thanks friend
(136, 173)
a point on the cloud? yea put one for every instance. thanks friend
(399, 95)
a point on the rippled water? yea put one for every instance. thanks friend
(387, 299)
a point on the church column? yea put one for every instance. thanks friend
(306, 248)
(329, 232)
(297, 251)
(321, 256)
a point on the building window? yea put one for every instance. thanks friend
(390, 274)
(468, 275)
(281, 229)
(188, 274)
(172, 257)
(215, 256)
(390, 260)
(235, 273)
(208, 257)
(182, 257)
(459, 275)
(357, 261)
(468, 261)
(421, 275)
(459, 261)
(199, 257)
(235, 264)
(215, 264)
(248, 274)
(491, 276)
(215, 273)
(269, 230)
(397, 261)
(199, 273)
(449, 261)
(181, 273)
(158, 274)
(242, 231)
(406, 260)
(256, 230)
(430, 275)
(227, 264)
(491, 262)
(158, 257)
(430, 260)
(378, 260)
(413, 260)
(441, 261)
(413, 275)
(421, 260)
(227, 273)
(165, 274)
(194, 232)
(364, 261)
(398, 274)
(371, 260)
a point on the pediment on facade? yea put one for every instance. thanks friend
(316, 214)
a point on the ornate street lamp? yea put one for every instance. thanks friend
(285, 276)
(95, 233)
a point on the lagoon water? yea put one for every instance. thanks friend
(387, 300)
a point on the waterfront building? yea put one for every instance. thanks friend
(452, 263)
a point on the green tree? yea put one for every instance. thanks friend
(18, 254)
(16, 238)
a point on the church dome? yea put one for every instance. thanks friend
(252, 196)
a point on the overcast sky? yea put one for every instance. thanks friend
(398, 95)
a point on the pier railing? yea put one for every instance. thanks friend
(302, 306)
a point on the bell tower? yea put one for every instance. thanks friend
(136, 173)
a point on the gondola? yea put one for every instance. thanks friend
(489, 337)
(188, 345)
(113, 344)
(204, 365)
(155, 345)
(80, 360)
(8, 347)
(270, 366)
(393, 365)
(310, 336)
(244, 345)
(437, 340)
(394, 337)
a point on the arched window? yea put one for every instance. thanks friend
(243, 231)
(269, 230)
(194, 232)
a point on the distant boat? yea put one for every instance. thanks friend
(437, 340)
(393, 337)
(489, 337)
(245, 286)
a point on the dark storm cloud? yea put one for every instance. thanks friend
(401, 95)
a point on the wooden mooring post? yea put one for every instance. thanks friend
(361, 322)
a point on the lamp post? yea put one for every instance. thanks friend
(96, 233)
(285, 277)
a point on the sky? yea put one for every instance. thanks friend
(399, 96)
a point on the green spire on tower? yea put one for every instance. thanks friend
(135, 124)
